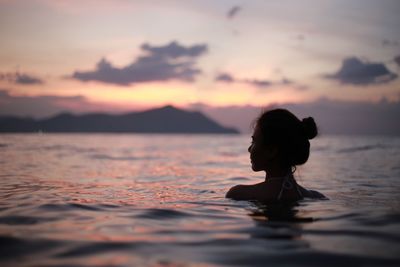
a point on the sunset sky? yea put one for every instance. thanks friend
(122, 55)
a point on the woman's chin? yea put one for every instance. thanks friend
(255, 168)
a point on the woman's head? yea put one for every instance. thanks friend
(281, 139)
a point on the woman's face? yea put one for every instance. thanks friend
(260, 154)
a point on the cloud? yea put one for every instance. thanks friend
(174, 50)
(387, 42)
(356, 72)
(300, 37)
(20, 78)
(160, 63)
(258, 83)
(397, 60)
(228, 78)
(233, 12)
(224, 77)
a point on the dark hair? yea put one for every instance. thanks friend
(282, 128)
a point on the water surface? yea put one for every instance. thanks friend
(158, 200)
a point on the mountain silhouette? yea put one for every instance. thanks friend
(167, 119)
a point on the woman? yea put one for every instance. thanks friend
(280, 142)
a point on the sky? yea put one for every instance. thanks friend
(119, 56)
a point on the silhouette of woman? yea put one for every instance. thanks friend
(280, 142)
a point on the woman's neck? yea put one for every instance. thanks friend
(275, 173)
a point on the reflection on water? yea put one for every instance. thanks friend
(135, 200)
(279, 212)
(281, 221)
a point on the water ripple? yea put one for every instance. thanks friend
(135, 200)
(157, 214)
(24, 220)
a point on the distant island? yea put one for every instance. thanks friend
(167, 119)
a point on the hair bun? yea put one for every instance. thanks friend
(310, 128)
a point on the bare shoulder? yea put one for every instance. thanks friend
(238, 192)
(316, 194)
(311, 193)
(245, 192)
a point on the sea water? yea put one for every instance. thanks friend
(159, 200)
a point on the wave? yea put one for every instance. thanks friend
(157, 214)
(362, 148)
(239, 179)
(96, 248)
(304, 257)
(106, 157)
(76, 206)
(24, 220)
(13, 247)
